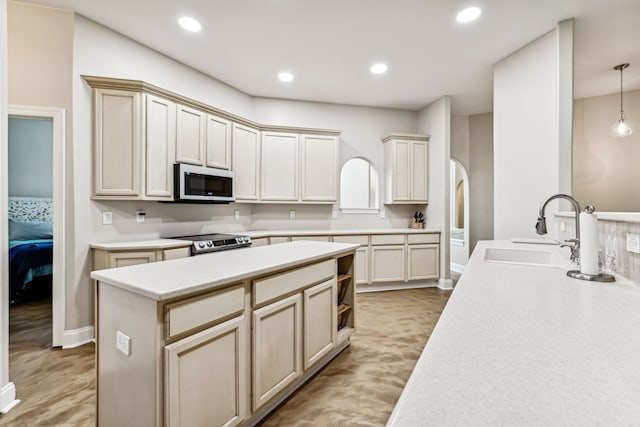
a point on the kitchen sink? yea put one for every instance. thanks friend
(522, 256)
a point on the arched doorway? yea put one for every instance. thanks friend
(459, 219)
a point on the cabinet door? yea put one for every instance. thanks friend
(160, 146)
(218, 142)
(362, 265)
(190, 140)
(320, 321)
(387, 263)
(419, 178)
(423, 262)
(280, 166)
(117, 143)
(124, 259)
(277, 348)
(206, 377)
(319, 177)
(245, 161)
(401, 171)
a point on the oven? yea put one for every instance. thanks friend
(205, 243)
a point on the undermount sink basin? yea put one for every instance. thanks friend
(521, 256)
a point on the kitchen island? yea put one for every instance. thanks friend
(520, 343)
(220, 338)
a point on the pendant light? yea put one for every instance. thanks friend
(620, 128)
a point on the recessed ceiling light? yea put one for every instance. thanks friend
(379, 68)
(469, 14)
(285, 76)
(189, 24)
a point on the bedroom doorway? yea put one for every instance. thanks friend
(37, 206)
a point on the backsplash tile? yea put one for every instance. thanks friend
(612, 244)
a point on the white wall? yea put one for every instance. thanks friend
(605, 168)
(530, 137)
(435, 120)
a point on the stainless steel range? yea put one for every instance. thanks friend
(204, 243)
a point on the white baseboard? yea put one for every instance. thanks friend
(458, 268)
(394, 286)
(8, 398)
(77, 337)
(445, 284)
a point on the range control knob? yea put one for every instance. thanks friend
(209, 243)
(201, 245)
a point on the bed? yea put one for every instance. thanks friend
(30, 245)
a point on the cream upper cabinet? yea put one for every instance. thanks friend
(191, 135)
(117, 136)
(299, 167)
(406, 168)
(319, 178)
(218, 146)
(160, 138)
(280, 167)
(246, 162)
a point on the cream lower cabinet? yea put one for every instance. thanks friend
(277, 348)
(320, 321)
(103, 258)
(388, 255)
(362, 256)
(423, 262)
(205, 378)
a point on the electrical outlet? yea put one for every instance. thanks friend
(123, 343)
(334, 214)
(382, 214)
(140, 215)
(107, 218)
(292, 214)
(633, 243)
(563, 226)
(236, 215)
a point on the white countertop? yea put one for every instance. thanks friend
(145, 244)
(170, 279)
(343, 232)
(527, 345)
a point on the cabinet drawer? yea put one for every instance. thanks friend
(388, 239)
(183, 316)
(361, 240)
(423, 238)
(278, 239)
(315, 238)
(281, 284)
(176, 253)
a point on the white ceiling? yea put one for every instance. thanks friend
(329, 45)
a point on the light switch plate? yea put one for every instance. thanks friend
(334, 214)
(633, 243)
(107, 218)
(236, 215)
(292, 214)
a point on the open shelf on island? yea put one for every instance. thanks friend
(346, 297)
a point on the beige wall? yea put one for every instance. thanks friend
(40, 73)
(481, 178)
(605, 169)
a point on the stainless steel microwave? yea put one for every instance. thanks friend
(197, 184)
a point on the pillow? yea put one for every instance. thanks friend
(20, 230)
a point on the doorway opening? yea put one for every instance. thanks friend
(459, 219)
(36, 140)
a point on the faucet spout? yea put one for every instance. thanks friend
(541, 225)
